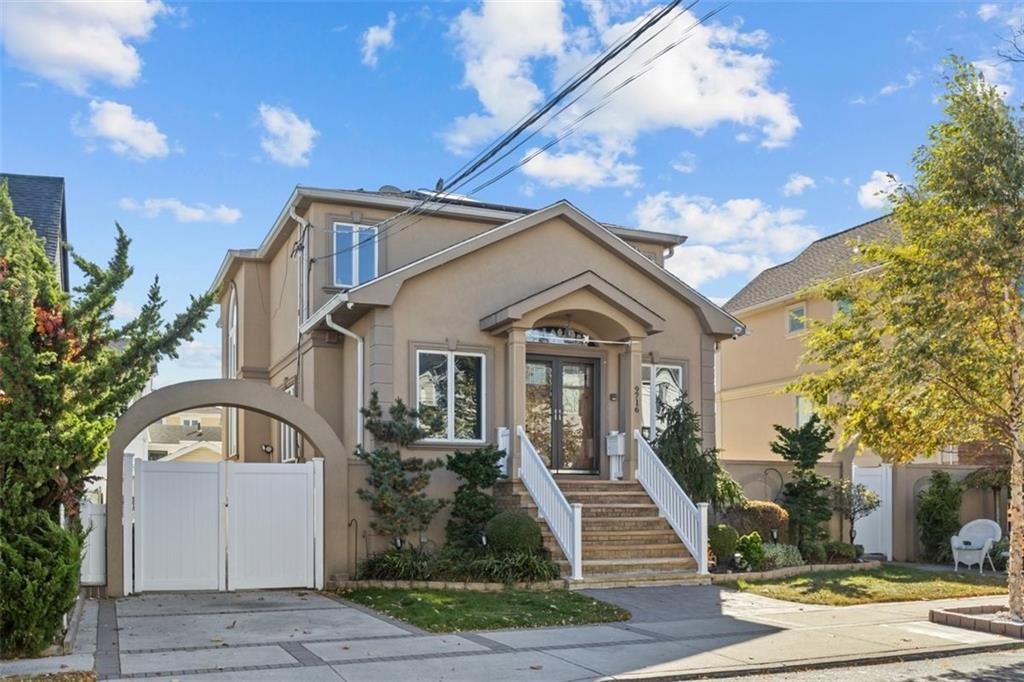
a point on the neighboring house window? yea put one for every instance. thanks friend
(194, 423)
(287, 443)
(232, 370)
(804, 410)
(355, 254)
(844, 306)
(661, 387)
(450, 395)
(796, 318)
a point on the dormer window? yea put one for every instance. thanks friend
(355, 254)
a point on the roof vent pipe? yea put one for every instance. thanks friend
(329, 320)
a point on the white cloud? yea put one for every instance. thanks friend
(988, 11)
(125, 134)
(738, 235)
(874, 193)
(287, 138)
(797, 184)
(514, 52)
(686, 162)
(199, 355)
(581, 169)
(76, 43)
(998, 73)
(182, 212)
(908, 82)
(378, 38)
(124, 310)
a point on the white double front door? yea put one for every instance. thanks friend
(224, 525)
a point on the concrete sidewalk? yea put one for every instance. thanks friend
(676, 631)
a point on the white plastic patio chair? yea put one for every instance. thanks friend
(974, 542)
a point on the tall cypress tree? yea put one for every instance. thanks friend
(806, 496)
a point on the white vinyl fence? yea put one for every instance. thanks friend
(94, 557)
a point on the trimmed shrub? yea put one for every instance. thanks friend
(760, 516)
(39, 568)
(513, 531)
(447, 564)
(814, 552)
(938, 515)
(722, 539)
(473, 507)
(751, 550)
(781, 556)
(839, 552)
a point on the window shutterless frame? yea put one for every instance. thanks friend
(650, 375)
(351, 244)
(796, 314)
(286, 441)
(450, 407)
(232, 370)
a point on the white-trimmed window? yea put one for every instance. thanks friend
(450, 395)
(232, 371)
(661, 386)
(796, 318)
(191, 422)
(804, 410)
(287, 442)
(355, 254)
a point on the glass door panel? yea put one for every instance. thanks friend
(576, 417)
(540, 393)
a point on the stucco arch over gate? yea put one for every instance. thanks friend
(248, 395)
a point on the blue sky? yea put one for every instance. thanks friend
(190, 123)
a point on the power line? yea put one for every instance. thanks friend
(573, 126)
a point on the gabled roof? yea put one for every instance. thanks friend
(824, 259)
(176, 433)
(588, 280)
(383, 290)
(40, 198)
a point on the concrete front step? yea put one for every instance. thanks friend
(625, 523)
(597, 581)
(630, 537)
(605, 551)
(616, 566)
(591, 511)
(597, 497)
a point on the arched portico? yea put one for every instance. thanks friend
(248, 395)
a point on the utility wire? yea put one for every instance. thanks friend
(569, 129)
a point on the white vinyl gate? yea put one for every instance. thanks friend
(874, 531)
(223, 525)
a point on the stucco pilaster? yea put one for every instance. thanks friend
(631, 362)
(515, 402)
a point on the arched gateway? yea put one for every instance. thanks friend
(245, 394)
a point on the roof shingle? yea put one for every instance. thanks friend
(822, 260)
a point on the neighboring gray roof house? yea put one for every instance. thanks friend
(40, 198)
(823, 259)
(175, 433)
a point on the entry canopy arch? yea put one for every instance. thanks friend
(241, 393)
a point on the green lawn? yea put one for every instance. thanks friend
(885, 584)
(452, 611)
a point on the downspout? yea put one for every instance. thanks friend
(329, 320)
(300, 249)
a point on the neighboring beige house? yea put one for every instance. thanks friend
(193, 436)
(543, 319)
(755, 369)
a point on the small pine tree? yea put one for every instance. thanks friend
(473, 507)
(853, 501)
(695, 468)
(806, 496)
(397, 494)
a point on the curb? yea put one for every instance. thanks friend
(825, 664)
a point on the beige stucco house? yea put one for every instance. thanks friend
(192, 436)
(543, 319)
(754, 370)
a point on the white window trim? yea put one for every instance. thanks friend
(789, 309)
(354, 252)
(653, 397)
(287, 436)
(451, 355)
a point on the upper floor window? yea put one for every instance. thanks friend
(450, 395)
(796, 318)
(194, 423)
(661, 388)
(804, 410)
(355, 254)
(844, 306)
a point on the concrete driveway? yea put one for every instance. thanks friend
(690, 631)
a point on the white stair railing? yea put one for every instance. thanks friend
(565, 520)
(688, 520)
